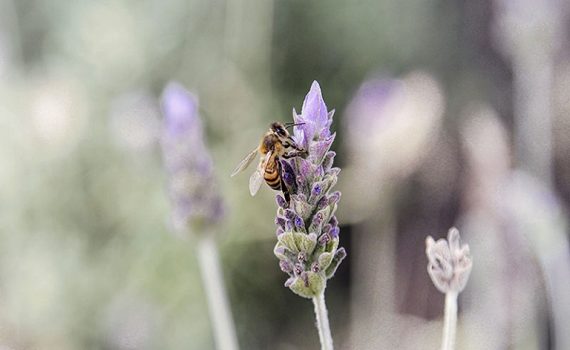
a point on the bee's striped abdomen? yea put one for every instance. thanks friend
(272, 177)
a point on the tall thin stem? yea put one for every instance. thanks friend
(323, 322)
(449, 321)
(218, 304)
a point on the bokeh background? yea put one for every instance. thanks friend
(447, 113)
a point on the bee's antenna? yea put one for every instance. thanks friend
(288, 125)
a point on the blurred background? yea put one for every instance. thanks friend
(447, 113)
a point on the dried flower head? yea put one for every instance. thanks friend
(191, 182)
(307, 229)
(449, 262)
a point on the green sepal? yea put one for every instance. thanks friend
(283, 253)
(288, 241)
(330, 180)
(332, 245)
(298, 242)
(317, 227)
(312, 285)
(338, 257)
(325, 260)
(302, 208)
(306, 243)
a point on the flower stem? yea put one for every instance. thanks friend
(449, 321)
(323, 322)
(218, 304)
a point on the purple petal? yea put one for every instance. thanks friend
(315, 117)
(285, 266)
(318, 149)
(306, 168)
(280, 222)
(314, 108)
(334, 232)
(334, 197)
(281, 201)
(324, 239)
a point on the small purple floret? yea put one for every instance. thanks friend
(299, 222)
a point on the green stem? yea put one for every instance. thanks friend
(323, 322)
(449, 321)
(218, 305)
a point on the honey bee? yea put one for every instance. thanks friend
(276, 143)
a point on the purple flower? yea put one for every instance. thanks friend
(191, 182)
(315, 118)
(307, 229)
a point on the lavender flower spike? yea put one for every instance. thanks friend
(191, 182)
(196, 205)
(449, 267)
(307, 228)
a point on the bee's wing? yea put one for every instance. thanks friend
(257, 177)
(245, 162)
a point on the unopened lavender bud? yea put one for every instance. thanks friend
(323, 202)
(449, 262)
(281, 201)
(281, 253)
(286, 266)
(280, 221)
(337, 259)
(334, 171)
(317, 223)
(315, 267)
(324, 239)
(334, 232)
(305, 278)
(328, 160)
(333, 221)
(317, 189)
(319, 172)
(290, 214)
(299, 224)
(316, 192)
(334, 197)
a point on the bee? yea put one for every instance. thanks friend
(276, 143)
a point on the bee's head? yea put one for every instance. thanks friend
(279, 129)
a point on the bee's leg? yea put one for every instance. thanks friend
(285, 191)
(291, 143)
(297, 153)
(284, 188)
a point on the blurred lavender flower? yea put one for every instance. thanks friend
(396, 120)
(307, 229)
(449, 266)
(191, 182)
(449, 263)
(196, 203)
